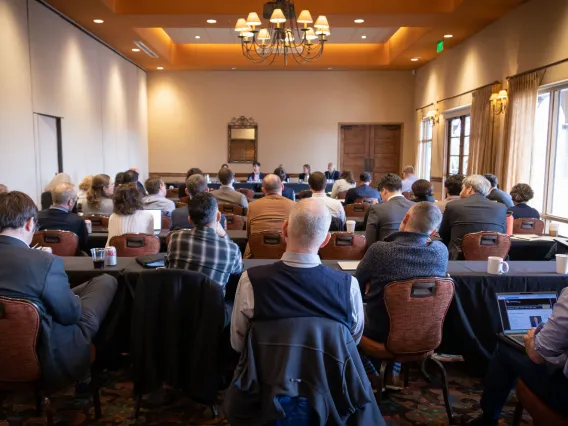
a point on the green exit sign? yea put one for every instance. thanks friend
(440, 46)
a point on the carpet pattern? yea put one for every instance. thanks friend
(419, 404)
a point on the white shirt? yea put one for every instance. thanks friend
(141, 222)
(341, 185)
(335, 207)
(407, 183)
(243, 309)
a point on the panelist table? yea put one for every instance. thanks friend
(257, 186)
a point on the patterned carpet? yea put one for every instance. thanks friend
(419, 404)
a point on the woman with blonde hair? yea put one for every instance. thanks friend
(84, 186)
(343, 184)
(46, 199)
(99, 197)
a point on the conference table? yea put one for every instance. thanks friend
(257, 186)
(472, 321)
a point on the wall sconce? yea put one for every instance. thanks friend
(433, 116)
(499, 102)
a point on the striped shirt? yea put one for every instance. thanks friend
(202, 250)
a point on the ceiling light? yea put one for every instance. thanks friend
(363, 36)
(98, 21)
(197, 37)
(160, 68)
(414, 59)
(359, 21)
(330, 68)
(448, 35)
(136, 50)
(234, 68)
(211, 21)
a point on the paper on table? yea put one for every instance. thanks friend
(532, 237)
(348, 266)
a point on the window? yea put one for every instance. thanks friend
(458, 144)
(425, 149)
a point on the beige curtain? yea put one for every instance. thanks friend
(519, 128)
(482, 145)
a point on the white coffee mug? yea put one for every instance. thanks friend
(562, 263)
(497, 266)
(350, 226)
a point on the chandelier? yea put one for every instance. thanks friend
(285, 36)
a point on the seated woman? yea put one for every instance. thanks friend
(84, 186)
(343, 184)
(99, 197)
(306, 175)
(423, 191)
(46, 200)
(522, 193)
(129, 216)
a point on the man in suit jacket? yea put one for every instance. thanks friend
(331, 173)
(472, 213)
(286, 192)
(60, 216)
(364, 190)
(227, 194)
(495, 194)
(384, 219)
(255, 176)
(70, 319)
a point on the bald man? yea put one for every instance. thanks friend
(270, 212)
(3, 188)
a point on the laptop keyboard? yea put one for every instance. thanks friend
(519, 339)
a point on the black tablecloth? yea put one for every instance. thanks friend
(529, 250)
(257, 187)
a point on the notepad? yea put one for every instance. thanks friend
(348, 266)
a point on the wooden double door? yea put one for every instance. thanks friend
(373, 148)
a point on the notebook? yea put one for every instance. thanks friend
(348, 266)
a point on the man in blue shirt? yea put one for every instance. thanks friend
(364, 190)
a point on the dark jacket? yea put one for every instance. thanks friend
(428, 198)
(177, 320)
(40, 278)
(46, 200)
(524, 211)
(141, 189)
(384, 219)
(303, 177)
(260, 176)
(335, 175)
(289, 193)
(55, 218)
(403, 255)
(362, 191)
(321, 364)
(180, 219)
(467, 215)
(501, 197)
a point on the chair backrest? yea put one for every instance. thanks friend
(367, 200)
(249, 193)
(356, 210)
(528, 226)
(235, 222)
(166, 222)
(267, 245)
(132, 245)
(341, 195)
(172, 193)
(407, 195)
(306, 193)
(344, 246)
(228, 208)
(417, 309)
(184, 200)
(19, 330)
(481, 245)
(97, 221)
(62, 243)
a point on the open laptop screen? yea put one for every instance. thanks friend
(157, 219)
(522, 311)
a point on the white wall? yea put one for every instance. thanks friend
(60, 71)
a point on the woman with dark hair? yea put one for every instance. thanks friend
(182, 186)
(343, 184)
(521, 194)
(99, 196)
(423, 191)
(306, 175)
(129, 216)
(119, 179)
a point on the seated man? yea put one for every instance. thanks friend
(408, 178)
(227, 194)
(269, 212)
(317, 184)
(495, 194)
(255, 176)
(286, 191)
(156, 198)
(60, 216)
(331, 173)
(182, 188)
(453, 185)
(384, 219)
(70, 318)
(472, 213)
(206, 248)
(544, 368)
(131, 176)
(364, 190)
(406, 254)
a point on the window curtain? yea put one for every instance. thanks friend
(482, 145)
(519, 128)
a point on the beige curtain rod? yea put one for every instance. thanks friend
(544, 67)
(425, 106)
(469, 91)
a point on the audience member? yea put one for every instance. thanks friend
(306, 175)
(544, 367)
(193, 171)
(331, 173)
(99, 197)
(46, 200)
(408, 178)
(131, 176)
(227, 194)
(255, 176)
(70, 319)
(270, 212)
(60, 215)
(225, 166)
(384, 219)
(317, 184)
(495, 194)
(402, 255)
(156, 198)
(3, 188)
(521, 194)
(364, 190)
(299, 285)
(119, 179)
(473, 213)
(206, 248)
(129, 216)
(286, 192)
(453, 185)
(84, 186)
(423, 191)
(343, 184)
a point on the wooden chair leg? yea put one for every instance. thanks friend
(423, 371)
(405, 370)
(518, 416)
(48, 410)
(137, 407)
(381, 381)
(445, 390)
(95, 389)
(38, 401)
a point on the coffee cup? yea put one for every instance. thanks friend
(562, 264)
(496, 266)
(553, 229)
(350, 226)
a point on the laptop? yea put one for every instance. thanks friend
(522, 311)
(157, 220)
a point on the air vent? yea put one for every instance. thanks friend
(145, 49)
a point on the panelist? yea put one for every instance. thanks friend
(255, 176)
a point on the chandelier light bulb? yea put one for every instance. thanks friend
(305, 18)
(253, 20)
(263, 35)
(242, 25)
(321, 22)
(277, 17)
(311, 35)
